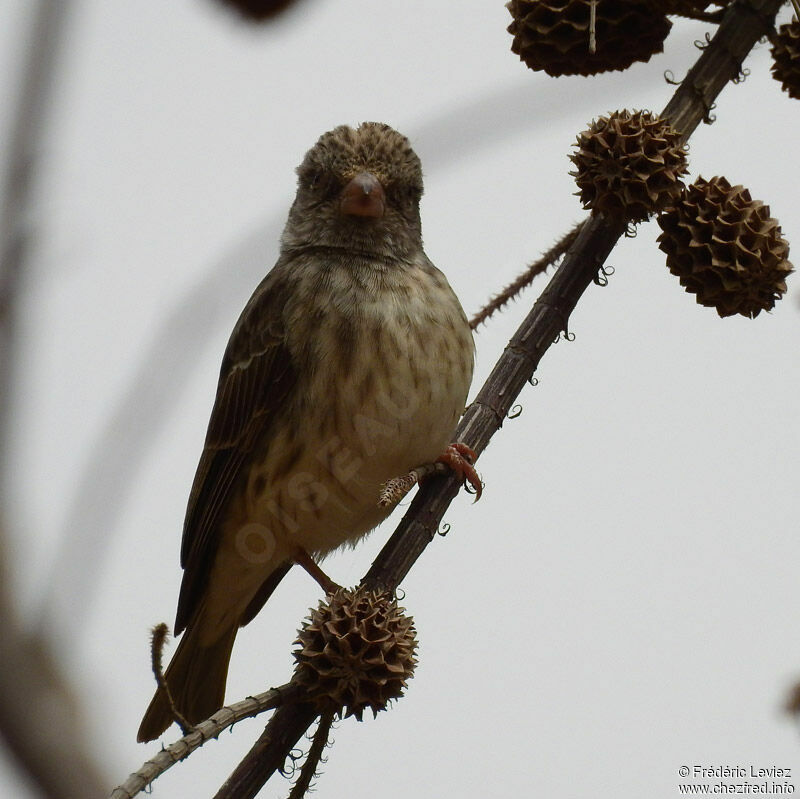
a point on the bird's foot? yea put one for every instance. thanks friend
(459, 457)
(302, 558)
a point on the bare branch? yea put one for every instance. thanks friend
(269, 752)
(211, 728)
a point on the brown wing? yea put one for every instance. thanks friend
(256, 375)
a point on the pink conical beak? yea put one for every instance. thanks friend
(363, 196)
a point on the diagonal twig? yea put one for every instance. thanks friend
(546, 260)
(314, 756)
(158, 638)
(269, 752)
(211, 728)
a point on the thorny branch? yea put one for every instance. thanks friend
(309, 770)
(210, 728)
(746, 21)
(743, 24)
(546, 260)
(159, 636)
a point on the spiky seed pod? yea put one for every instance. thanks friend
(356, 651)
(257, 10)
(786, 58)
(553, 35)
(725, 248)
(629, 165)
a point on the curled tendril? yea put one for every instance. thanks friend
(631, 231)
(399, 594)
(603, 274)
(744, 74)
(708, 117)
(669, 77)
(534, 381)
(700, 45)
(567, 336)
(514, 412)
(444, 529)
(290, 765)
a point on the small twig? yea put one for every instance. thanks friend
(593, 27)
(395, 489)
(309, 770)
(204, 731)
(526, 278)
(796, 5)
(160, 633)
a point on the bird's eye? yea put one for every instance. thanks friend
(402, 194)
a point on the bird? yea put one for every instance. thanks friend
(349, 365)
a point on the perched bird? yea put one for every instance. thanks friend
(349, 366)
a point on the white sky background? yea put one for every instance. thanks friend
(622, 601)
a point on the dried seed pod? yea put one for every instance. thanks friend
(629, 165)
(553, 35)
(786, 58)
(725, 248)
(356, 650)
(257, 10)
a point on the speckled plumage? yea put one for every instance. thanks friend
(349, 365)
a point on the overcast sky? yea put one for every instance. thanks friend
(623, 601)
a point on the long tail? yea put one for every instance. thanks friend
(196, 679)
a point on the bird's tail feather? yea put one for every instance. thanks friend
(196, 679)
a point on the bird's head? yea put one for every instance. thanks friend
(359, 190)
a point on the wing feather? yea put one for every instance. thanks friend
(256, 376)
